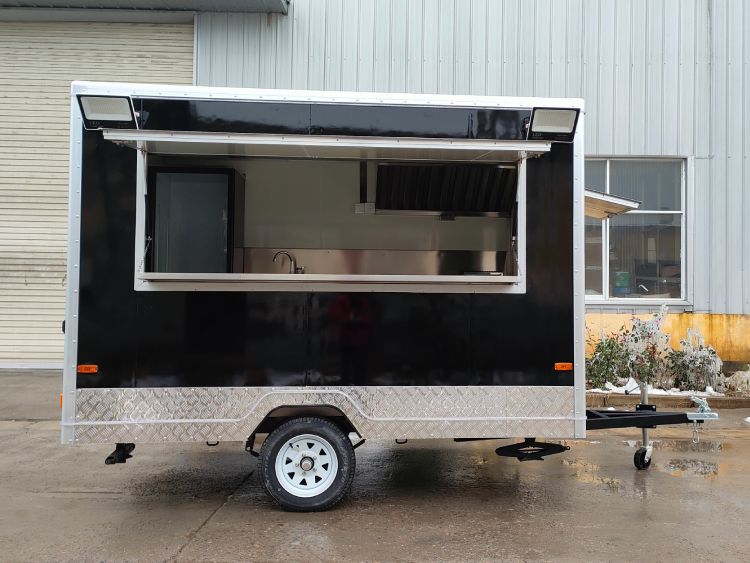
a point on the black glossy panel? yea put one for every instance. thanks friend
(223, 117)
(264, 338)
(107, 301)
(221, 339)
(518, 339)
(389, 339)
(169, 338)
(330, 119)
(416, 121)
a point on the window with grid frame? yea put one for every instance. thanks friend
(639, 254)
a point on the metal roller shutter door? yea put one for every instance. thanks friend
(37, 63)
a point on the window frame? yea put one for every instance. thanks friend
(153, 281)
(684, 208)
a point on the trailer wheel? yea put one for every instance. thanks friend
(639, 459)
(307, 464)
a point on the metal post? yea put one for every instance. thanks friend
(644, 401)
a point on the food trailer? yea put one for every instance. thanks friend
(300, 271)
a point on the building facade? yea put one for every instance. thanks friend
(666, 86)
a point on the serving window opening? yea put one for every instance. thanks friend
(213, 223)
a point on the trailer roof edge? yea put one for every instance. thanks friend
(171, 91)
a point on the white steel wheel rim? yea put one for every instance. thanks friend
(306, 465)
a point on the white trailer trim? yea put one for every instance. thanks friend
(234, 94)
(247, 144)
(579, 280)
(70, 357)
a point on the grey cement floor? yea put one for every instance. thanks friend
(425, 501)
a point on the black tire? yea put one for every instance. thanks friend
(340, 482)
(639, 459)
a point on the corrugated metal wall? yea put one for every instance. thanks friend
(37, 63)
(664, 77)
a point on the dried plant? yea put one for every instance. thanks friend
(694, 365)
(647, 347)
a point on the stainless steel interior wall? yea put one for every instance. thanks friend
(667, 78)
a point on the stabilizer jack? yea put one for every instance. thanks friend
(120, 455)
(530, 449)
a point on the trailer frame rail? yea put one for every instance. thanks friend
(644, 416)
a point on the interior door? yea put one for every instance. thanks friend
(191, 222)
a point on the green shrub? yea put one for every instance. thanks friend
(608, 362)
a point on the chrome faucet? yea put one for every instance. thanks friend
(293, 269)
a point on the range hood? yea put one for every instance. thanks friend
(446, 189)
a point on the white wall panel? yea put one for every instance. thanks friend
(333, 35)
(607, 40)
(479, 44)
(718, 159)
(632, 118)
(381, 66)
(527, 39)
(736, 268)
(461, 54)
(558, 37)
(512, 47)
(622, 51)
(659, 79)
(745, 228)
(542, 54)
(590, 68)
(670, 77)
(414, 46)
(316, 47)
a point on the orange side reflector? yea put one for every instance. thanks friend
(88, 368)
(60, 400)
(564, 366)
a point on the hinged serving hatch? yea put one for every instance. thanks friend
(326, 147)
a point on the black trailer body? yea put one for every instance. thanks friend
(154, 355)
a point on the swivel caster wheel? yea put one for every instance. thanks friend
(642, 458)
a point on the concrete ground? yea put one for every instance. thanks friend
(424, 501)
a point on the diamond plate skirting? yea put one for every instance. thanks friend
(198, 414)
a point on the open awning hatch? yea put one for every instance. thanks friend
(310, 146)
(602, 206)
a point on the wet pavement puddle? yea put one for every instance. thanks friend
(682, 467)
(588, 473)
(680, 446)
